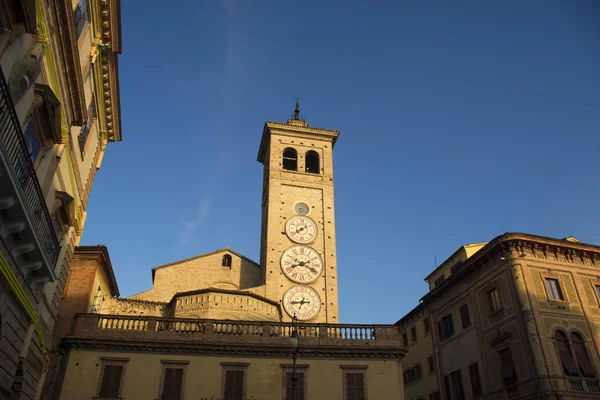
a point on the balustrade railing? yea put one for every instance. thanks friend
(14, 148)
(150, 325)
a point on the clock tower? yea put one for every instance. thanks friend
(298, 251)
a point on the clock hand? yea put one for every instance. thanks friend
(311, 269)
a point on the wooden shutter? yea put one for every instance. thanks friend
(448, 389)
(172, 384)
(234, 385)
(289, 385)
(583, 359)
(111, 381)
(464, 316)
(355, 389)
(475, 379)
(461, 391)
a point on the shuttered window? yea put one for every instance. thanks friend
(111, 381)
(454, 386)
(464, 316)
(567, 360)
(355, 386)
(172, 384)
(289, 386)
(234, 385)
(475, 379)
(509, 375)
(446, 327)
(582, 356)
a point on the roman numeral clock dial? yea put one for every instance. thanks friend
(301, 229)
(301, 264)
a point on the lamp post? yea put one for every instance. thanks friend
(295, 339)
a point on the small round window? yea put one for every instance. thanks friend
(301, 208)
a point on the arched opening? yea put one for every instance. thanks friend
(565, 355)
(313, 165)
(226, 261)
(290, 159)
(582, 356)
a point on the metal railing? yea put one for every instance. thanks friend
(14, 148)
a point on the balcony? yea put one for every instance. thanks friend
(25, 224)
(143, 332)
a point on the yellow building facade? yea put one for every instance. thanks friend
(220, 325)
(59, 107)
(518, 318)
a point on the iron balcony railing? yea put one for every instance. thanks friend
(14, 149)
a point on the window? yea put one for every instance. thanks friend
(405, 339)
(226, 261)
(354, 384)
(494, 298)
(509, 375)
(34, 144)
(446, 327)
(598, 291)
(475, 379)
(454, 387)
(439, 281)
(290, 159)
(582, 356)
(464, 316)
(289, 386)
(234, 380)
(426, 325)
(111, 378)
(413, 334)
(434, 396)
(565, 355)
(412, 374)
(431, 363)
(553, 289)
(172, 381)
(312, 162)
(85, 130)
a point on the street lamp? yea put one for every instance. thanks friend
(295, 340)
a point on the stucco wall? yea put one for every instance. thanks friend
(203, 376)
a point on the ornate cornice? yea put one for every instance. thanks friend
(228, 349)
(110, 46)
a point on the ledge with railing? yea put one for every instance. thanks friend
(139, 328)
(14, 151)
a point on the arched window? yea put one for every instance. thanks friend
(582, 356)
(290, 159)
(564, 353)
(312, 162)
(226, 261)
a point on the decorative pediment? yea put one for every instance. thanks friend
(20, 12)
(500, 338)
(48, 114)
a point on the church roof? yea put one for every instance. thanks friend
(226, 249)
(225, 291)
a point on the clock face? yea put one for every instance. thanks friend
(303, 302)
(301, 264)
(301, 208)
(301, 229)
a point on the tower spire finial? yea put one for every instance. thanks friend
(297, 110)
(296, 119)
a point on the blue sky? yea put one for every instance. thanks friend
(459, 121)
